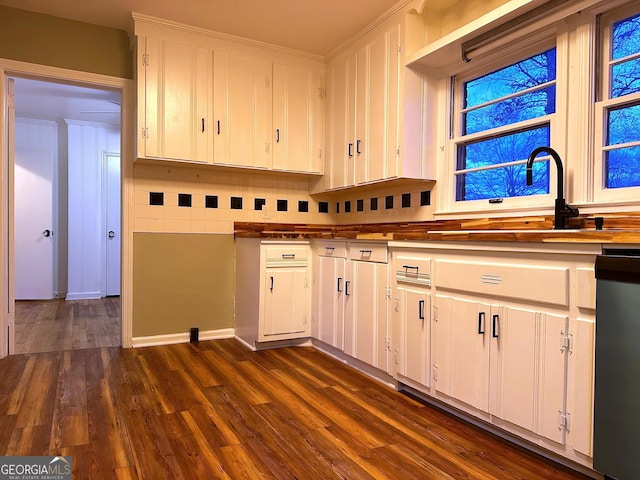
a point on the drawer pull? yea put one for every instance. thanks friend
(481, 316)
(410, 267)
(421, 310)
(495, 326)
(365, 251)
(288, 255)
(330, 249)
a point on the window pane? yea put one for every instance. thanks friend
(502, 182)
(528, 73)
(623, 125)
(507, 148)
(626, 37)
(623, 167)
(625, 78)
(523, 107)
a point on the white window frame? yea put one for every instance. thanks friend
(601, 194)
(503, 54)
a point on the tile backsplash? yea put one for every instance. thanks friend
(177, 199)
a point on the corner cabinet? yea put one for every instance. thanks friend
(273, 299)
(207, 98)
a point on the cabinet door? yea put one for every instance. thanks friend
(331, 285)
(462, 350)
(366, 312)
(285, 308)
(339, 122)
(414, 342)
(553, 377)
(514, 362)
(298, 116)
(177, 101)
(376, 110)
(242, 111)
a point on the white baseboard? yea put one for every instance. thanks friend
(83, 296)
(172, 338)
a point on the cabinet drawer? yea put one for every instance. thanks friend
(286, 256)
(413, 270)
(368, 252)
(332, 249)
(521, 282)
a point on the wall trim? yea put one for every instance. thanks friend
(83, 296)
(173, 338)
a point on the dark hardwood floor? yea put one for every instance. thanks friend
(216, 410)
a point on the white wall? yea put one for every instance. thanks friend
(87, 142)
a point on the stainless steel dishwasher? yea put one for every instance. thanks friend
(616, 443)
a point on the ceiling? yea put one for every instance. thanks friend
(314, 26)
(58, 102)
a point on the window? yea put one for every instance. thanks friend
(618, 112)
(503, 116)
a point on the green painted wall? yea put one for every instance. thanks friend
(182, 280)
(46, 40)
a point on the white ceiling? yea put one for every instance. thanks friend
(57, 102)
(315, 26)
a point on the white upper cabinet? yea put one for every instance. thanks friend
(175, 101)
(241, 110)
(206, 97)
(298, 119)
(365, 105)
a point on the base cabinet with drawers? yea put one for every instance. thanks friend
(273, 295)
(366, 334)
(330, 276)
(412, 317)
(508, 338)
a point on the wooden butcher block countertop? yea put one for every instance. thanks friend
(617, 228)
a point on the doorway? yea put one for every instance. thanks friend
(68, 138)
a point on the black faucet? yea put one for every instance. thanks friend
(562, 209)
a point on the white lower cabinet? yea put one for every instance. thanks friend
(412, 316)
(502, 333)
(506, 361)
(366, 293)
(330, 273)
(273, 300)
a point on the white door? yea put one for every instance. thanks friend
(112, 224)
(33, 209)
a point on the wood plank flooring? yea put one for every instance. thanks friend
(216, 410)
(56, 325)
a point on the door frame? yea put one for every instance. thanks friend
(12, 68)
